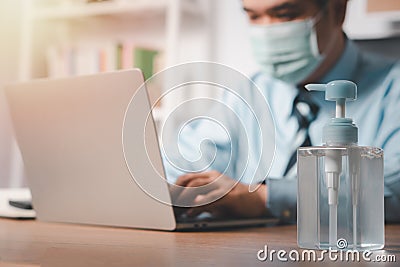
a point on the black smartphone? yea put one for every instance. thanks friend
(21, 204)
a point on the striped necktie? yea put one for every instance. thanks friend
(305, 111)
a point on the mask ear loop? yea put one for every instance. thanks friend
(314, 45)
(317, 17)
(314, 20)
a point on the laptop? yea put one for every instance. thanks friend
(70, 132)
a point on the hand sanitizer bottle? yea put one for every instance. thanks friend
(340, 201)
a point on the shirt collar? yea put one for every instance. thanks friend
(346, 65)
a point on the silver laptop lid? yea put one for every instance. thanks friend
(70, 135)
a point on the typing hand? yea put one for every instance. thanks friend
(220, 195)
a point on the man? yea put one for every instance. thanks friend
(298, 42)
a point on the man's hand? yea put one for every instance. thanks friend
(220, 195)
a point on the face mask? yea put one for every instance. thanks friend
(287, 51)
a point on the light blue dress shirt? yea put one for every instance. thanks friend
(235, 150)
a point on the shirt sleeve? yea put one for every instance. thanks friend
(202, 144)
(234, 137)
(389, 139)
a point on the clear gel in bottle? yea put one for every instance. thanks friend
(340, 201)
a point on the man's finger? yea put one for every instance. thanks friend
(186, 178)
(182, 182)
(202, 182)
(209, 204)
(211, 198)
(188, 194)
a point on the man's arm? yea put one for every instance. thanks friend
(282, 198)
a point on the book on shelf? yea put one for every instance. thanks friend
(64, 61)
(83, 59)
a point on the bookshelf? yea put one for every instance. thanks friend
(372, 19)
(177, 29)
(72, 37)
(109, 8)
(157, 25)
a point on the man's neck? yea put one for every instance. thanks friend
(330, 60)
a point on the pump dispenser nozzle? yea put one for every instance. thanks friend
(339, 91)
(339, 131)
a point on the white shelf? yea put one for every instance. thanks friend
(97, 9)
(361, 25)
(386, 15)
(76, 11)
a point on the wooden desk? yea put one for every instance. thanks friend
(31, 243)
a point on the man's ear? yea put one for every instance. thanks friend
(339, 8)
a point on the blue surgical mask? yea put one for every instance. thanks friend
(287, 51)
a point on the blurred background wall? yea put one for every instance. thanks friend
(10, 29)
